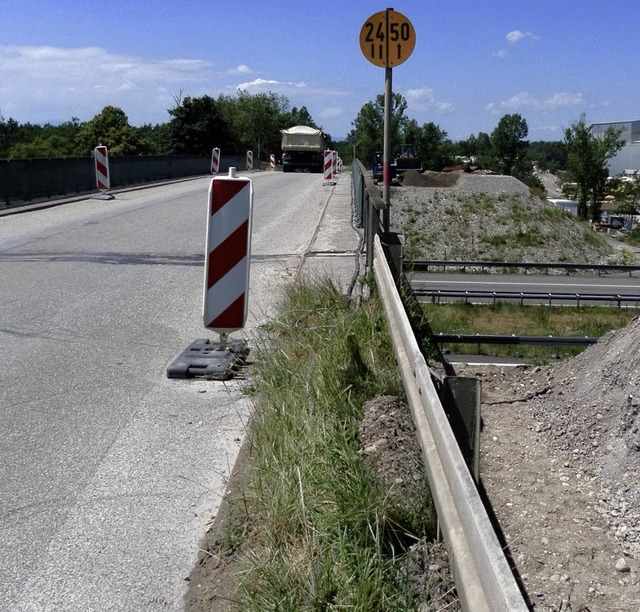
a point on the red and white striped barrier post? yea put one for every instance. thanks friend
(272, 161)
(103, 181)
(328, 165)
(226, 276)
(249, 160)
(215, 161)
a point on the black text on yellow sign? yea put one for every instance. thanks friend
(387, 38)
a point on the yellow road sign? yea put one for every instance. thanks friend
(387, 38)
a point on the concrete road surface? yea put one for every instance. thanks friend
(110, 471)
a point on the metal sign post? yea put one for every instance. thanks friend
(387, 39)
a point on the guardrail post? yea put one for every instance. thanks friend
(370, 228)
(394, 247)
(461, 401)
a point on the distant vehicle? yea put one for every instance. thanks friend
(406, 160)
(377, 168)
(303, 149)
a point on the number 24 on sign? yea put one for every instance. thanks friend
(392, 51)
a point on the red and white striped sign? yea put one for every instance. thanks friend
(328, 165)
(215, 161)
(226, 276)
(272, 161)
(101, 155)
(249, 160)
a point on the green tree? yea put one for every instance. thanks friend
(627, 194)
(197, 126)
(301, 116)
(434, 147)
(509, 145)
(159, 135)
(484, 151)
(368, 126)
(255, 121)
(548, 155)
(587, 157)
(8, 134)
(48, 141)
(110, 127)
(468, 147)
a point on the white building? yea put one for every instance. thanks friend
(627, 160)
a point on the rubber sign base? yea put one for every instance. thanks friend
(210, 360)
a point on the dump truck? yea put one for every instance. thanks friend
(303, 149)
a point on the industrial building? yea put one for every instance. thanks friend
(627, 160)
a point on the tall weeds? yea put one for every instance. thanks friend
(322, 527)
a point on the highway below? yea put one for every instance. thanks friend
(611, 284)
(109, 471)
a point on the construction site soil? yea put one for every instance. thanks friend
(560, 444)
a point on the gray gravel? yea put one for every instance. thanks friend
(489, 217)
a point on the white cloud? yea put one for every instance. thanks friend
(297, 92)
(527, 101)
(241, 69)
(45, 83)
(331, 112)
(257, 84)
(500, 53)
(423, 99)
(52, 84)
(517, 35)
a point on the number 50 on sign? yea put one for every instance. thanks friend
(387, 38)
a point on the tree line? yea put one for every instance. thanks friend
(581, 157)
(235, 124)
(246, 121)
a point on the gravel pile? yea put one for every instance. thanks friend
(487, 217)
(590, 408)
(560, 460)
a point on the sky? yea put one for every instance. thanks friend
(473, 62)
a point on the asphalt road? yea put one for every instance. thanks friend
(617, 284)
(110, 471)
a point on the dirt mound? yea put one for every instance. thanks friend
(560, 460)
(389, 445)
(413, 178)
(591, 403)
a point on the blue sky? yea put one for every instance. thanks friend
(474, 61)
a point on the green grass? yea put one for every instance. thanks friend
(325, 533)
(502, 318)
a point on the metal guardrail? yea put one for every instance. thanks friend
(23, 180)
(539, 297)
(513, 339)
(484, 580)
(368, 208)
(426, 265)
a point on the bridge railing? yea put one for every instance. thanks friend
(483, 577)
(368, 208)
(24, 180)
